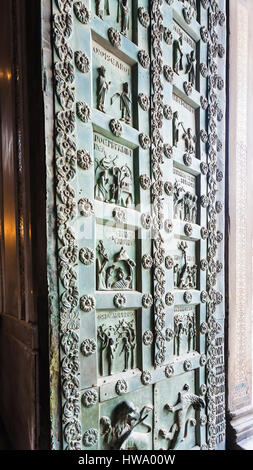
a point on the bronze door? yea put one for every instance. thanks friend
(139, 158)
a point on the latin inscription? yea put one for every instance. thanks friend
(109, 58)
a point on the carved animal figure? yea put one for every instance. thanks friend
(185, 401)
(119, 432)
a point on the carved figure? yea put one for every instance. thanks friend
(177, 55)
(178, 197)
(185, 401)
(114, 184)
(125, 103)
(111, 348)
(101, 263)
(126, 349)
(116, 276)
(189, 139)
(122, 281)
(176, 273)
(193, 216)
(186, 277)
(191, 333)
(102, 88)
(185, 204)
(119, 432)
(123, 333)
(175, 129)
(102, 8)
(179, 333)
(101, 186)
(184, 327)
(190, 67)
(109, 345)
(123, 16)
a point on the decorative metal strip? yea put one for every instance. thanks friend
(216, 18)
(157, 175)
(66, 166)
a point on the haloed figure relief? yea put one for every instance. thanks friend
(123, 16)
(113, 183)
(127, 429)
(102, 8)
(179, 430)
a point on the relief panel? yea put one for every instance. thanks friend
(178, 413)
(114, 172)
(185, 264)
(185, 55)
(115, 258)
(112, 84)
(116, 13)
(184, 129)
(185, 329)
(126, 422)
(185, 196)
(116, 332)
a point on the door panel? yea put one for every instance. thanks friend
(139, 167)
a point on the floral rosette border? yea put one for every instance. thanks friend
(65, 170)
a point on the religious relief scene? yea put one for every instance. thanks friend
(185, 197)
(112, 85)
(185, 55)
(114, 172)
(185, 267)
(116, 13)
(115, 258)
(184, 329)
(184, 127)
(126, 423)
(116, 335)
